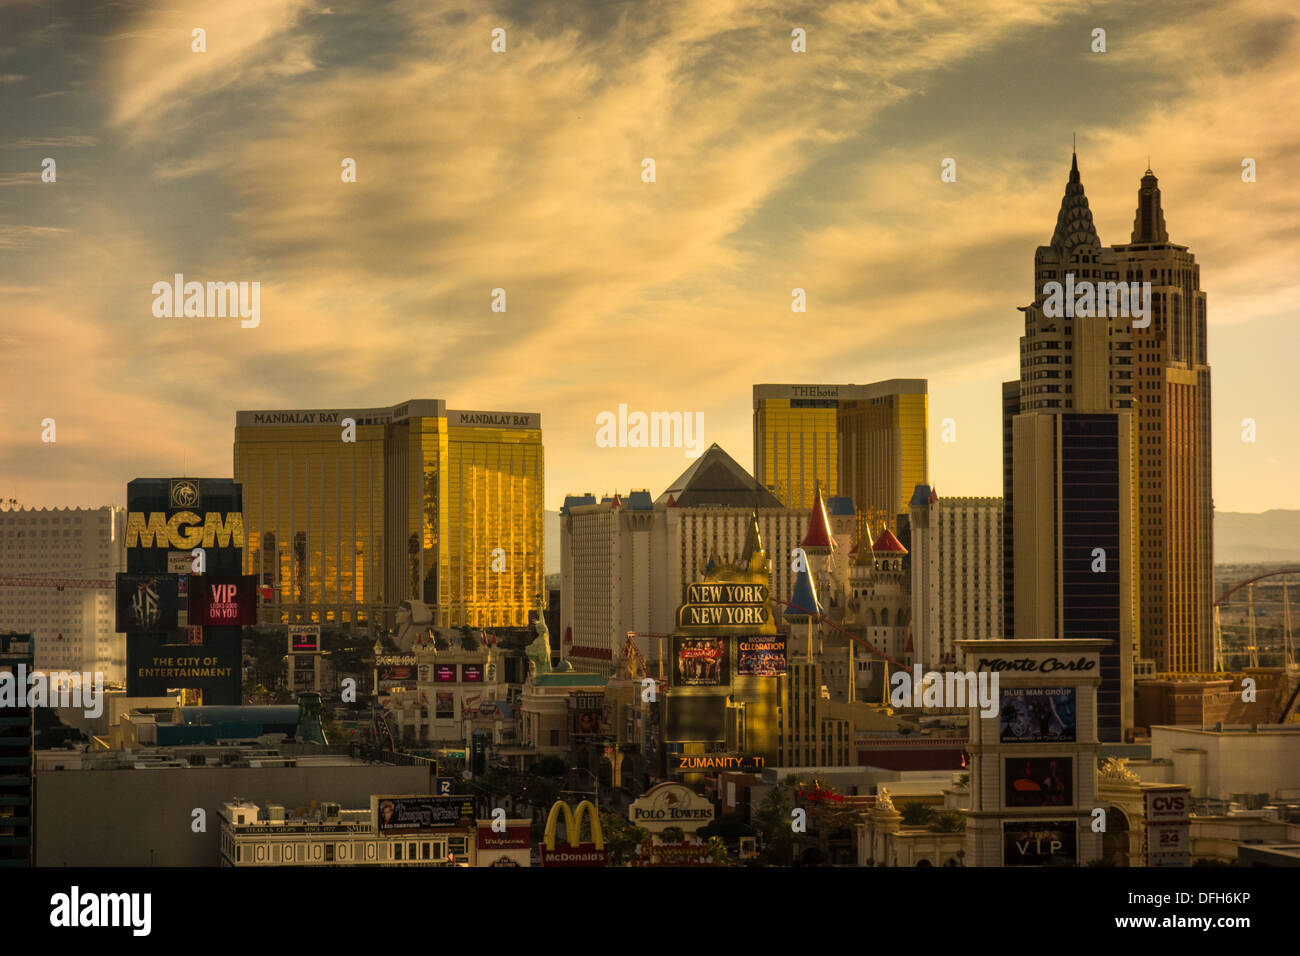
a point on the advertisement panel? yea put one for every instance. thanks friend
(403, 814)
(146, 602)
(1037, 714)
(304, 638)
(304, 671)
(587, 715)
(1034, 842)
(760, 656)
(696, 719)
(700, 662)
(444, 705)
(154, 671)
(223, 600)
(179, 562)
(1039, 781)
(471, 673)
(444, 673)
(1169, 844)
(396, 673)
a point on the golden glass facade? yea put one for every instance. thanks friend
(867, 442)
(795, 441)
(884, 448)
(414, 508)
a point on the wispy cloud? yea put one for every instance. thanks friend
(522, 171)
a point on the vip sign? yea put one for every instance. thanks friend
(223, 601)
(184, 529)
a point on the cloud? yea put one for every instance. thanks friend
(522, 171)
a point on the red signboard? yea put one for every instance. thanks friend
(444, 673)
(519, 837)
(584, 854)
(217, 601)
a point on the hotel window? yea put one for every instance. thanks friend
(397, 851)
(329, 853)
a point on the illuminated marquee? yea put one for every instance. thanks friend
(184, 529)
(722, 604)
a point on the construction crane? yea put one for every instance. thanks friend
(90, 584)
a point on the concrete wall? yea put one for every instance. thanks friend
(143, 817)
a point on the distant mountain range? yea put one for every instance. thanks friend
(1242, 538)
(1239, 538)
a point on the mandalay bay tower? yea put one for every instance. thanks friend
(413, 502)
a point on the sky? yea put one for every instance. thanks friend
(523, 170)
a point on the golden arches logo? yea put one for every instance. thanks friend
(573, 825)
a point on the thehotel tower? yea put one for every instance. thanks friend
(865, 442)
(426, 504)
(1068, 425)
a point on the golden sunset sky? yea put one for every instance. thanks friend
(522, 170)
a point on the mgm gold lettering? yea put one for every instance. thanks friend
(184, 530)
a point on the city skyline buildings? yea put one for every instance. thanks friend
(413, 501)
(1070, 498)
(869, 443)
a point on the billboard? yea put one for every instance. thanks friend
(152, 672)
(760, 656)
(1034, 842)
(696, 719)
(404, 814)
(395, 672)
(471, 673)
(146, 602)
(1039, 781)
(223, 600)
(700, 662)
(304, 638)
(444, 673)
(588, 715)
(1037, 714)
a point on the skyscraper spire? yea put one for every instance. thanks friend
(1149, 223)
(1074, 228)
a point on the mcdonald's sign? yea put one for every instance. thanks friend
(576, 853)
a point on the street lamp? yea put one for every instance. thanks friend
(594, 783)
